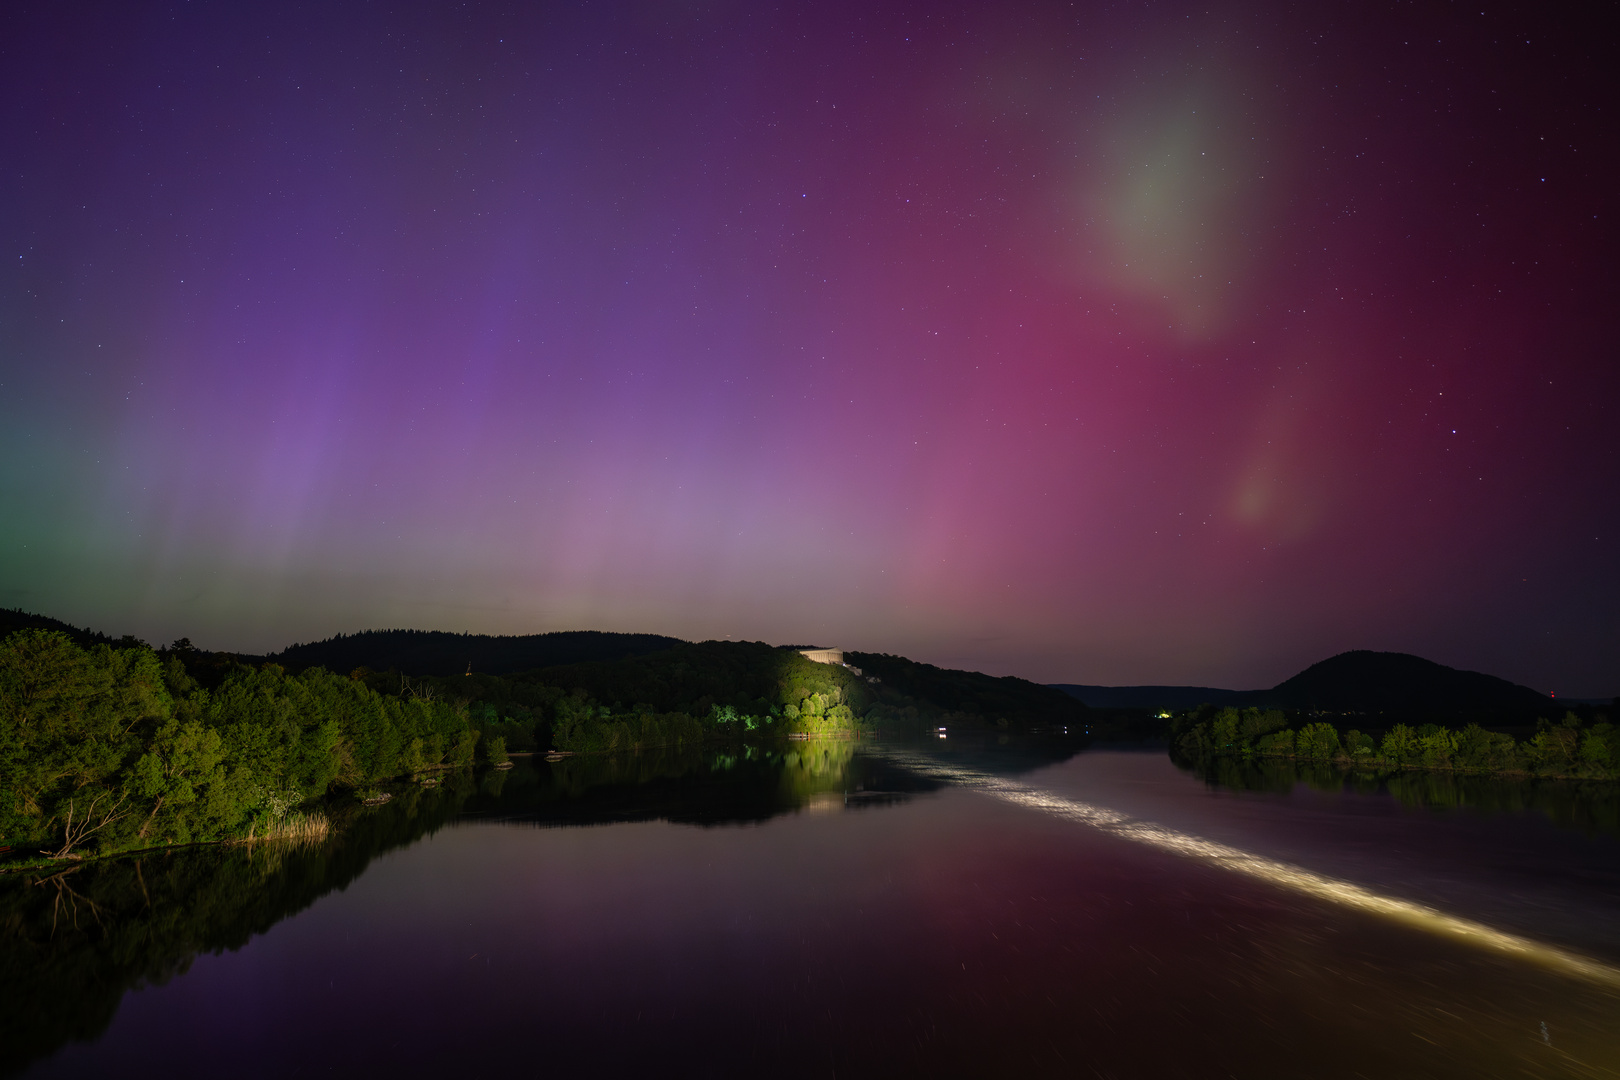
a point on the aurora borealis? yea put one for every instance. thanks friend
(1161, 343)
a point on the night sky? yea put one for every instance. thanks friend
(1104, 343)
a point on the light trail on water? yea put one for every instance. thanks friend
(1273, 871)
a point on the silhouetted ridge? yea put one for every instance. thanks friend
(12, 620)
(1371, 681)
(435, 652)
(1154, 697)
(984, 696)
(1361, 681)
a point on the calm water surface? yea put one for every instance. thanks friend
(835, 910)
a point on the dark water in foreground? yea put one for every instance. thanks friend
(843, 910)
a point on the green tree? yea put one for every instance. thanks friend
(1400, 746)
(181, 769)
(1555, 747)
(1437, 746)
(1256, 723)
(1477, 748)
(1359, 745)
(1317, 740)
(1597, 748)
(1280, 743)
(70, 721)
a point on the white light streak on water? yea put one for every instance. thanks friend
(1273, 871)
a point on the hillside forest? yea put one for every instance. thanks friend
(114, 746)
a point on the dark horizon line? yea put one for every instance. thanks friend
(97, 635)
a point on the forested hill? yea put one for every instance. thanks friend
(1365, 681)
(973, 693)
(112, 746)
(434, 652)
(753, 678)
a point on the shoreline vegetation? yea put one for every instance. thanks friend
(115, 747)
(1575, 747)
(81, 934)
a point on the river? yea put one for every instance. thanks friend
(954, 907)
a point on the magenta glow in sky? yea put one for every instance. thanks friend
(1138, 343)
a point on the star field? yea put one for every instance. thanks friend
(1141, 343)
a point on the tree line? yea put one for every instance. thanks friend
(1574, 747)
(120, 748)
(114, 746)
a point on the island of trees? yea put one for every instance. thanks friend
(1569, 748)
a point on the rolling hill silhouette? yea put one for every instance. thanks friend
(1360, 681)
(1365, 681)
(14, 619)
(436, 652)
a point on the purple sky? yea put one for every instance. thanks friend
(1098, 343)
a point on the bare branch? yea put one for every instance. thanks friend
(77, 832)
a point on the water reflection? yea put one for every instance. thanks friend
(1275, 872)
(976, 930)
(739, 784)
(735, 785)
(1591, 806)
(75, 940)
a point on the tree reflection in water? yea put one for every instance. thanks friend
(1589, 805)
(77, 938)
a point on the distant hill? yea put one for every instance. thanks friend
(1365, 681)
(1360, 681)
(1154, 697)
(435, 652)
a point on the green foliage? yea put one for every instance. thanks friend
(1487, 751)
(1600, 747)
(1566, 748)
(513, 723)
(1437, 745)
(1556, 747)
(735, 690)
(1401, 745)
(1254, 723)
(634, 731)
(1212, 730)
(1359, 745)
(709, 690)
(70, 721)
(1280, 744)
(1317, 740)
(111, 746)
(111, 749)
